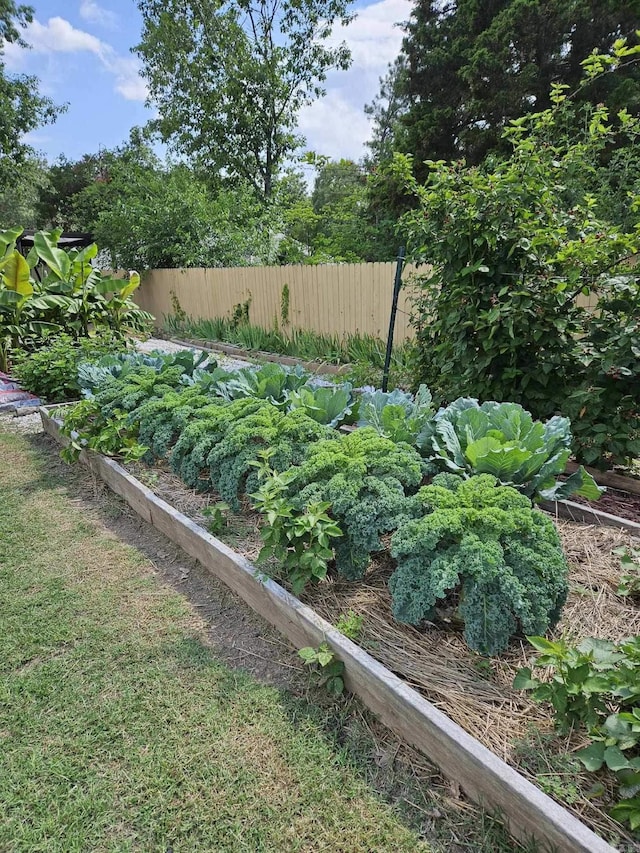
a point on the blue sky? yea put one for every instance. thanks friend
(81, 54)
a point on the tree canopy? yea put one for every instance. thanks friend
(21, 107)
(229, 78)
(470, 67)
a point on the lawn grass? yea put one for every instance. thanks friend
(119, 729)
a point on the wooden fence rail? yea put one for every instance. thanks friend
(329, 298)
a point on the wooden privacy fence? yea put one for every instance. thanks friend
(329, 298)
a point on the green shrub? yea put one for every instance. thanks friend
(51, 372)
(484, 549)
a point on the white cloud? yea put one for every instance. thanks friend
(59, 36)
(91, 12)
(336, 125)
(374, 37)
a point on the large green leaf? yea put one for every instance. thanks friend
(9, 237)
(56, 259)
(579, 483)
(16, 274)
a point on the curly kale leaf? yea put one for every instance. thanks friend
(484, 546)
(189, 455)
(366, 479)
(287, 435)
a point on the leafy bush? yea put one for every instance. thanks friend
(365, 479)
(398, 415)
(482, 547)
(596, 684)
(51, 372)
(72, 297)
(605, 407)
(87, 427)
(502, 439)
(511, 244)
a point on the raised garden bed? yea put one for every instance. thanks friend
(480, 773)
(258, 355)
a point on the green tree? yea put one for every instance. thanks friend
(148, 214)
(22, 109)
(19, 197)
(471, 67)
(229, 78)
(57, 198)
(511, 245)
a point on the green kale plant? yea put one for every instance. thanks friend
(484, 549)
(209, 425)
(503, 440)
(365, 478)
(286, 434)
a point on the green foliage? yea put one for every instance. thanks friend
(326, 405)
(299, 541)
(286, 435)
(596, 684)
(629, 585)
(72, 296)
(230, 81)
(604, 407)
(482, 547)
(51, 372)
(350, 624)
(365, 479)
(469, 68)
(330, 670)
(398, 415)
(216, 516)
(22, 108)
(88, 428)
(503, 440)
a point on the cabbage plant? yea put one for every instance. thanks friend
(502, 439)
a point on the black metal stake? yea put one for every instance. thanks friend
(397, 284)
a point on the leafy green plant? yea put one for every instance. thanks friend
(87, 428)
(630, 564)
(482, 549)
(365, 479)
(398, 415)
(350, 624)
(329, 670)
(216, 516)
(604, 408)
(503, 440)
(511, 244)
(596, 684)
(299, 541)
(326, 405)
(51, 372)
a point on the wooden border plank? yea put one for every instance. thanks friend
(483, 776)
(587, 515)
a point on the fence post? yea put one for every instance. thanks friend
(397, 284)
